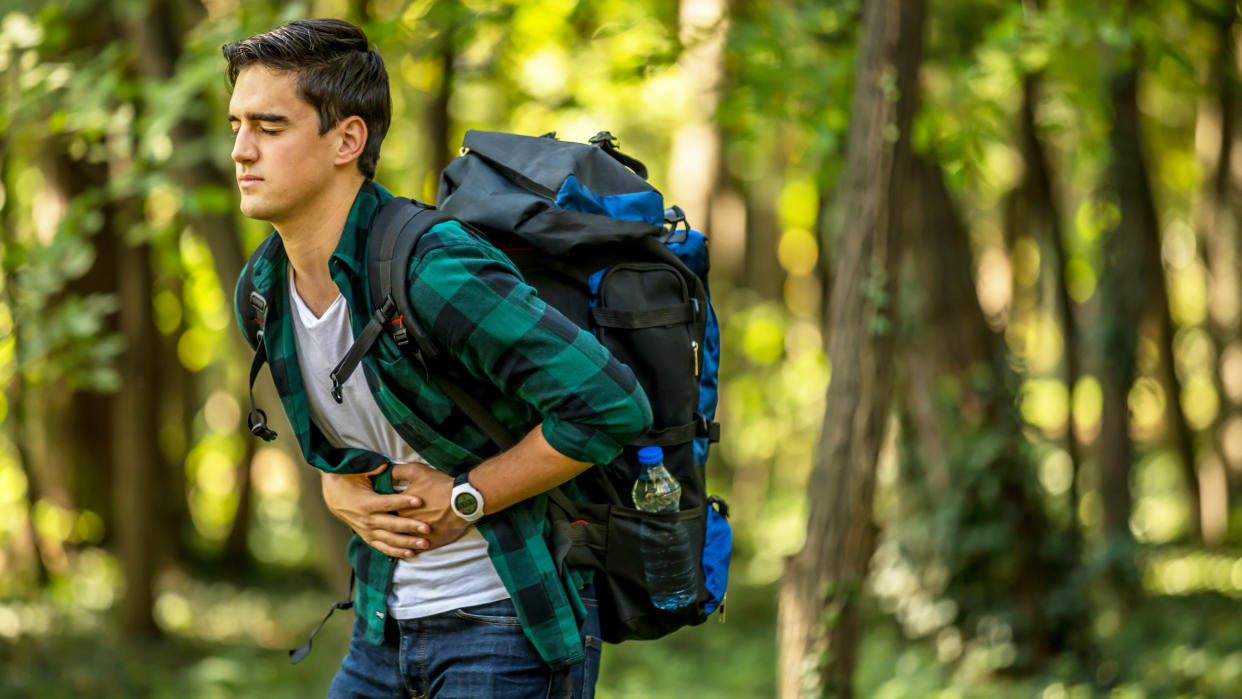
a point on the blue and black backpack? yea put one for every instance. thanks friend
(590, 233)
(593, 237)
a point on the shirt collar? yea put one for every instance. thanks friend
(352, 248)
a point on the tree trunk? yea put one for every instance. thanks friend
(66, 469)
(76, 471)
(698, 180)
(1139, 229)
(14, 395)
(177, 399)
(1131, 271)
(961, 403)
(134, 425)
(436, 117)
(821, 591)
(1043, 213)
(91, 448)
(165, 20)
(236, 552)
(1218, 227)
(762, 271)
(695, 163)
(1182, 436)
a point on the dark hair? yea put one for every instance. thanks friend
(337, 73)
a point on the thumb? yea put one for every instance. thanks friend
(376, 472)
(408, 471)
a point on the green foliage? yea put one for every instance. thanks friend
(789, 68)
(968, 549)
(78, 95)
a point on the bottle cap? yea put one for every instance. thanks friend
(650, 455)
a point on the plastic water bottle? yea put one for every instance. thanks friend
(667, 561)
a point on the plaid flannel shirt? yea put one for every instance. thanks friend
(521, 357)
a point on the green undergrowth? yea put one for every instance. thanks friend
(1188, 646)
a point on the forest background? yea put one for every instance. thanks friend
(979, 270)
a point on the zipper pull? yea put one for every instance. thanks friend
(722, 607)
(694, 349)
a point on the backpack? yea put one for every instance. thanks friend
(588, 232)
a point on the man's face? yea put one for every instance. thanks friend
(283, 163)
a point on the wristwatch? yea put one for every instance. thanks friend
(466, 501)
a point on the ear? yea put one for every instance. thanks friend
(353, 138)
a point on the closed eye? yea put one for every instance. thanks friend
(269, 132)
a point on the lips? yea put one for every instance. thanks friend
(248, 180)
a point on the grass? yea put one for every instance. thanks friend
(82, 655)
(1172, 646)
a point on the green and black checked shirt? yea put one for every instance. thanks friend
(521, 357)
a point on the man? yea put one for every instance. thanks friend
(444, 607)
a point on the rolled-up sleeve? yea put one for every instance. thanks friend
(476, 306)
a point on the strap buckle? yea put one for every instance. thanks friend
(675, 219)
(259, 305)
(604, 137)
(396, 327)
(258, 425)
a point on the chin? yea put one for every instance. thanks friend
(251, 208)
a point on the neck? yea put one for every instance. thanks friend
(311, 235)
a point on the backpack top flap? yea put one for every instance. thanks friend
(552, 194)
(541, 164)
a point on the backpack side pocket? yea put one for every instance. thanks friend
(647, 315)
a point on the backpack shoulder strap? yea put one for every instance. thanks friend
(397, 228)
(252, 306)
(388, 262)
(400, 225)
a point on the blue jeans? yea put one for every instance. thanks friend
(471, 653)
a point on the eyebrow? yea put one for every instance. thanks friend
(263, 116)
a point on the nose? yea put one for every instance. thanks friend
(244, 150)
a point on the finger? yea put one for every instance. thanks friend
(399, 542)
(397, 523)
(376, 503)
(414, 514)
(389, 550)
(420, 526)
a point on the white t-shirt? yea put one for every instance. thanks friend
(456, 575)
